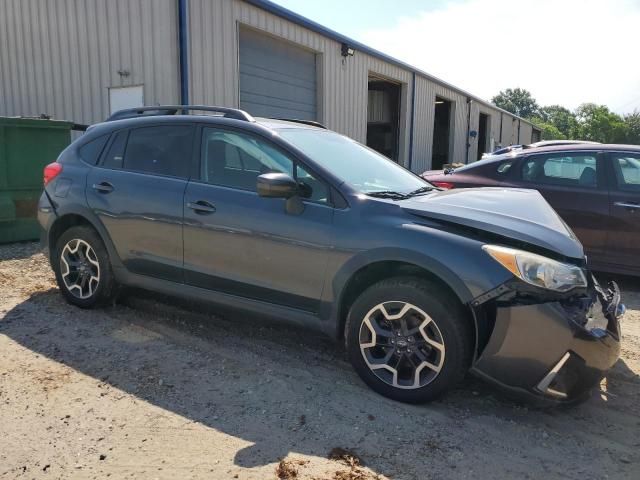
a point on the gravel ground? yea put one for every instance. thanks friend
(150, 389)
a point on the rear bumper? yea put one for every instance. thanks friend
(46, 216)
(553, 351)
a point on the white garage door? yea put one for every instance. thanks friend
(277, 78)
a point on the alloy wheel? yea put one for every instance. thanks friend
(402, 345)
(80, 268)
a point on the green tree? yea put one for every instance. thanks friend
(517, 101)
(549, 130)
(560, 117)
(632, 122)
(599, 124)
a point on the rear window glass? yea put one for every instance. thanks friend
(90, 151)
(161, 150)
(571, 170)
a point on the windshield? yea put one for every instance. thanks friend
(359, 166)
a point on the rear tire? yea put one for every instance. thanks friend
(414, 327)
(82, 268)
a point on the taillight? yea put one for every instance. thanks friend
(445, 185)
(51, 171)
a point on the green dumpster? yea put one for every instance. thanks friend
(26, 146)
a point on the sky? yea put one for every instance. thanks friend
(565, 52)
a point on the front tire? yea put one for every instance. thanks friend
(82, 268)
(408, 339)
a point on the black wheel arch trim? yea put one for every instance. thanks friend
(350, 268)
(92, 219)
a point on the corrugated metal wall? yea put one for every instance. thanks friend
(525, 133)
(509, 130)
(59, 57)
(426, 92)
(342, 84)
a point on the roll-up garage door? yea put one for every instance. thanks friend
(277, 78)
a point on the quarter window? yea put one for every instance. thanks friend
(504, 167)
(310, 187)
(90, 151)
(627, 171)
(571, 170)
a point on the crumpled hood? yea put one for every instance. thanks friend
(515, 213)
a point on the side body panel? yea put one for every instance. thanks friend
(251, 246)
(143, 215)
(623, 245)
(584, 208)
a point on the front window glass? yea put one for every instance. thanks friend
(236, 160)
(359, 166)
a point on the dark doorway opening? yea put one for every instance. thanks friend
(383, 117)
(483, 126)
(441, 134)
(535, 136)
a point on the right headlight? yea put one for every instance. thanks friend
(538, 270)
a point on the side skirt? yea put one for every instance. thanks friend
(278, 313)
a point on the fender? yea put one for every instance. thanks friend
(94, 221)
(393, 254)
(386, 254)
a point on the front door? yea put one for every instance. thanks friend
(137, 192)
(624, 196)
(239, 243)
(574, 184)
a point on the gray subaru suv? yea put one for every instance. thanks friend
(298, 223)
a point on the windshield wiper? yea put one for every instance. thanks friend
(387, 194)
(421, 190)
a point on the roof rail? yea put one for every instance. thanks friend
(233, 113)
(313, 123)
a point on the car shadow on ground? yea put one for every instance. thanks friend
(281, 388)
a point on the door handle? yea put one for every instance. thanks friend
(627, 205)
(103, 187)
(201, 207)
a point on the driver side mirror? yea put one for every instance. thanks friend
(281, 185)
(276, 185)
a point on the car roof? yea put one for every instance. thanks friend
(259, 125)
(281, 123)
(576, 147)
(548, 143)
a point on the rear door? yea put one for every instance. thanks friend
(239, 243)
(624, 196)
(137, 192)
(575, 185)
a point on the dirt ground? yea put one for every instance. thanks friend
(149, 389)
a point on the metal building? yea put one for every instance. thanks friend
(81, 60)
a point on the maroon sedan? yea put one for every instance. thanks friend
(595, 189)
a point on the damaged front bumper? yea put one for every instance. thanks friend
(552, 347)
